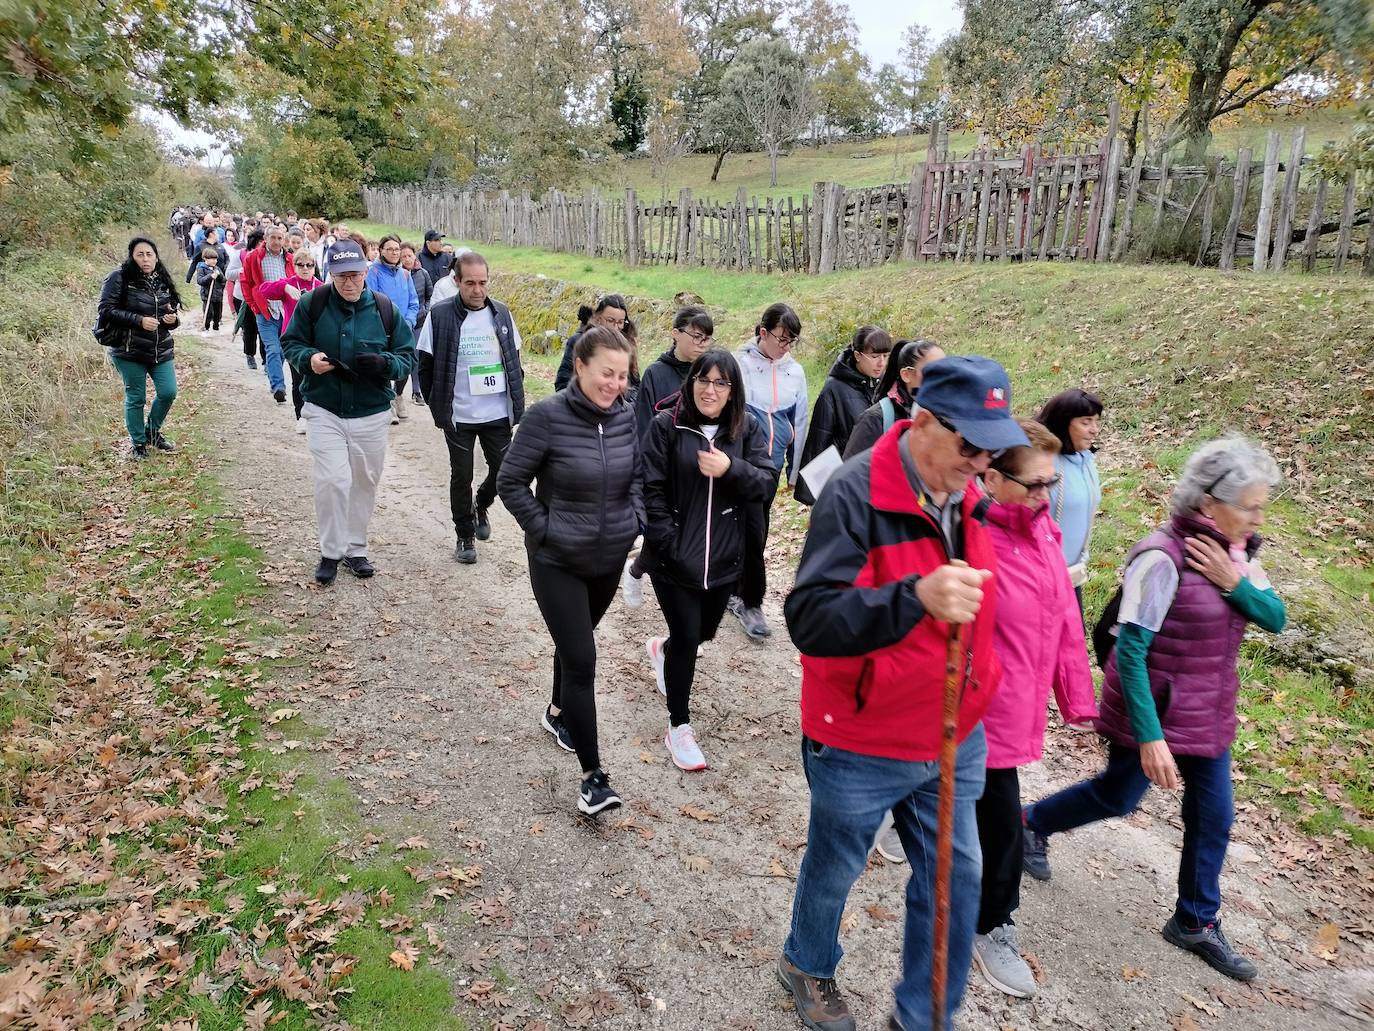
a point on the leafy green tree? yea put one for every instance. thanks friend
(771, 87)
(630, 112)
(826, 36)
(909, 92)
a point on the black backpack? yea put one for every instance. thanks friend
(104, 332)
(318, 298)
(1103, 638)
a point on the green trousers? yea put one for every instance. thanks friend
(135, 376)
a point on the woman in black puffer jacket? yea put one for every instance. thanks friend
(704, 461)
(579, 522)
(846, 395)
(137, 313)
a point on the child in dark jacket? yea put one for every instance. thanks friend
(210, 277)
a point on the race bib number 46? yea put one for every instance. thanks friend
(486, 379)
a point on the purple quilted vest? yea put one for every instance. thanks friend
(1192, 661)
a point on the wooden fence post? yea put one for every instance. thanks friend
(631, 228)
(1161, 194)
(915, 228)
(1347, 225)
(984, 198)
(1265, 225)
(1104, 202)
(1314, 227)
(1288, 206)
(1240, 188)
(826, 237)
(820, 199)
(1208, 210)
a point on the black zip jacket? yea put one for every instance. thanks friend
(662, 379)
(845, 396)
(587, 507)
(695, 524)
(122, 322)
(870, 426)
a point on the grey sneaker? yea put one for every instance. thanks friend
(1209, 943)
(754, 624)
(1035, 852)
(998, 956)
(889, 842)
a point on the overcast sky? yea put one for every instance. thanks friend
(881, 24)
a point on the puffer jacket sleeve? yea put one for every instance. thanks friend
(519, 468)
(751, 476)
(565, 367)
(1073, 679)
(657, 452)
(108, 308)
(822, 429)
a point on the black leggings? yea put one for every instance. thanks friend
(693, 616)
(999, 833)
(572, 606)
(251, 344)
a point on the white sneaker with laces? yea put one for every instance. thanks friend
(631, 587)
(300, 426)
(682, 746)
(888, 842)
(654, 646)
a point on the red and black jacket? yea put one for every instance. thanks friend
(873, 662)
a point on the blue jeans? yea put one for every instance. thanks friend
(269, 334)
(135, 375)
(1207, 816)
(850, 793)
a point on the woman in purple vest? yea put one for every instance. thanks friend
(1169, 698)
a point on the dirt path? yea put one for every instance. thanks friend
(670, 914)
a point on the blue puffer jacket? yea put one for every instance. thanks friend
(394, 281)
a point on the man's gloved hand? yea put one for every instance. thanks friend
(369, 363)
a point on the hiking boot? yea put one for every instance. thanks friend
(252, 362)
(483, 525)
(359, 566)
(631, 587)
(654, 646)
(418, 398)
(751, 618)
(466, 552)
(326, 571)
(1035, 852)
(279, 396)
(682, 746)
(161, 443)
(138, 453)
(818, 1000)
(998, 957)
(888, 842)
(597, 794)
(555, 726)
(1210, 944)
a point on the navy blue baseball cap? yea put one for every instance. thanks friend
(972, 394)
(345, 256)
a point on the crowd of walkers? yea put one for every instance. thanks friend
(941, 525)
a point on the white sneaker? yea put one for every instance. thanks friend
(300, 427)
(654, 646)
(394, 417)
(682, 746)
(888, 842)
(631, 587)
(400, 403)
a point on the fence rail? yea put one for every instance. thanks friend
(1076, 204)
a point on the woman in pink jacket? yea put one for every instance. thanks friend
(1039, 642)
(298, 281)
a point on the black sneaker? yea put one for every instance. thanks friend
(138, 453)
(326, 571)
(279, 396)
(252, 362)
(466, 552)
(162, 443)
(1209, 943)
(418, 398)
(359, 566)
(1035, 855)
(483, 525)
(555, 726)
(597, 794)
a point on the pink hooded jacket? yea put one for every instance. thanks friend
(1038, 637)
(276, 291)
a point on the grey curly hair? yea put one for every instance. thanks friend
(1224, 469)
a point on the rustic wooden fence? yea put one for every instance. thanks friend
(1074, 204)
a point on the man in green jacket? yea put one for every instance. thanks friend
(349, 350)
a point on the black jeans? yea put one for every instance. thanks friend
(214, 309)
(462, 441)
(572, 606)
(753, 580)
(297, 398)
(999, 833)
(693, 616)
(251, 344)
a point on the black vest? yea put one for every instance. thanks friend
(445, 328)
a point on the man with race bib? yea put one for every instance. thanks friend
(470, 375)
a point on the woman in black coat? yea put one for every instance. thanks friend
(848, 391)
(135, 318)
(899, 384)
(703, 461)
(579, 522)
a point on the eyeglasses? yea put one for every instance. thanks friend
(1035, 485)
(785, 342)
(714, 384)
(305, 264)
(965, 448)
(697, 337)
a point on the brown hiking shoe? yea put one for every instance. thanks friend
(819, 1003)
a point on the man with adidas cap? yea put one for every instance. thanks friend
(896, 559)
(350, 346)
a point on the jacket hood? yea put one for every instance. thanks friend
(673, 362)
(390, 270)
(751, 347)
(847, 372)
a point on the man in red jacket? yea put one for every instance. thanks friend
(267, 263)
(896, 559)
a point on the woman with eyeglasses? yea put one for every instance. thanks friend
(848, 391)
(1169, 697)
(1038, 640)
(901, 379)
(705, 461)
(1075, 417)
(388, 276)
(301, 279)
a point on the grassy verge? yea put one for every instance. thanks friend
(171, 851)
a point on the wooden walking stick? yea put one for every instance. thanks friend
(944, 834)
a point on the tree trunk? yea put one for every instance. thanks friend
(773, 166)
(720, 160)
(1133, 135)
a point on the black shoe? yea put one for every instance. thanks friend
(162, 443)
(138, 453)
(483, 525)
(597, 794)
(359, 566)
(418, 398)
(466, 552)
(252, 362)
(326, 571)
(1035, 854)
(555, 726)
(1210, 944)
(279, 396)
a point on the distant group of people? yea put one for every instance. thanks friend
(940, 520)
